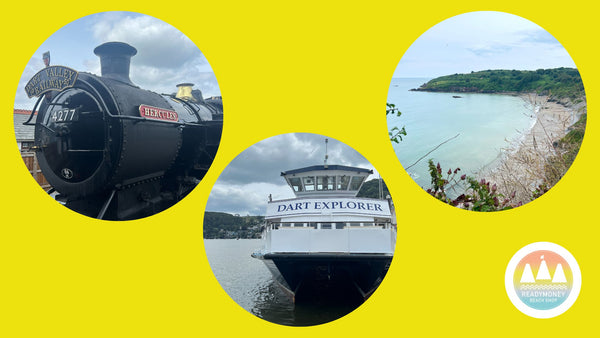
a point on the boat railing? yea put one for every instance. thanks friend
(328, 225)
(321, 194)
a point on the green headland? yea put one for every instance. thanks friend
(558, 83)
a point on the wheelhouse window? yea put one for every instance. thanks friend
(342, 182)
(296, 183)
(325, 183)
(330, 182)
(356, 182)
(309, 183)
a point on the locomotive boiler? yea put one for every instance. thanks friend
(112, 150)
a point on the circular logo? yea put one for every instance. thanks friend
(542, 280)
(67, 173)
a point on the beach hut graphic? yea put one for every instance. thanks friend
(543, 274)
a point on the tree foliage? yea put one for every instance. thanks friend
(559, 83)
(224, 225)
(370, 189)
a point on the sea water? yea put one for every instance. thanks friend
(477, 128)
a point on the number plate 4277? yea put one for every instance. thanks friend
(65, 115)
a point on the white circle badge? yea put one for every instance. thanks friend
(542, 280)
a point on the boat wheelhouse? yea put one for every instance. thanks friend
(327, 237)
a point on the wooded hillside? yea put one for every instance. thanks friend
(559, 83)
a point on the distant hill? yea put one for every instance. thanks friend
(224, 225)
(560, 83)
(370, 189)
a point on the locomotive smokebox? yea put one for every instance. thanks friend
(112, 150)
(115, 58)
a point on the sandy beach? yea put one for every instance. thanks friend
(520, 167)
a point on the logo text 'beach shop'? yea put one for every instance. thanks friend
(542, 280)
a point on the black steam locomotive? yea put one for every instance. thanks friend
(112, 150)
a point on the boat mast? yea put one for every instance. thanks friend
(326, 156)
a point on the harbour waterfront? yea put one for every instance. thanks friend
(249, 283)
(477, 127)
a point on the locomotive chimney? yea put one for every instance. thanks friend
(184, 92)
(115, 58)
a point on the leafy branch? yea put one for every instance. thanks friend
(396, 133)
(478, 196)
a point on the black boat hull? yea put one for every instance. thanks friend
(305, 275)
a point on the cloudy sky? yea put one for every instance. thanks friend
(165, 56)
(244, 186)
(480, 41)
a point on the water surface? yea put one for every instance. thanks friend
(485, 124)
(248, 282)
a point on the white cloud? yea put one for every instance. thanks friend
(246, 182)
(159, 44)
(21, 99)
(479, 41)
(246, 198)
(165, 57)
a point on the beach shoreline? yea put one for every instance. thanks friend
(520, 166)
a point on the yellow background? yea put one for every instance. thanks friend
(306, 66)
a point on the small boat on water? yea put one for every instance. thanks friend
(327, 239)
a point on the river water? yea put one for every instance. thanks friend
(248, 282)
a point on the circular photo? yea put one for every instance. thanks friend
(486, 111)
(118, 115)
(299, 229)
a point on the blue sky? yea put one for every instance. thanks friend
(480, 41)
(165, 57)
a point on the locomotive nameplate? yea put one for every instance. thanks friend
(49, 79)
(160, 114)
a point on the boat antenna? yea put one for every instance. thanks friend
(380, 186)
(326, 156)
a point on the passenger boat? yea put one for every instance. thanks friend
(326, 238)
